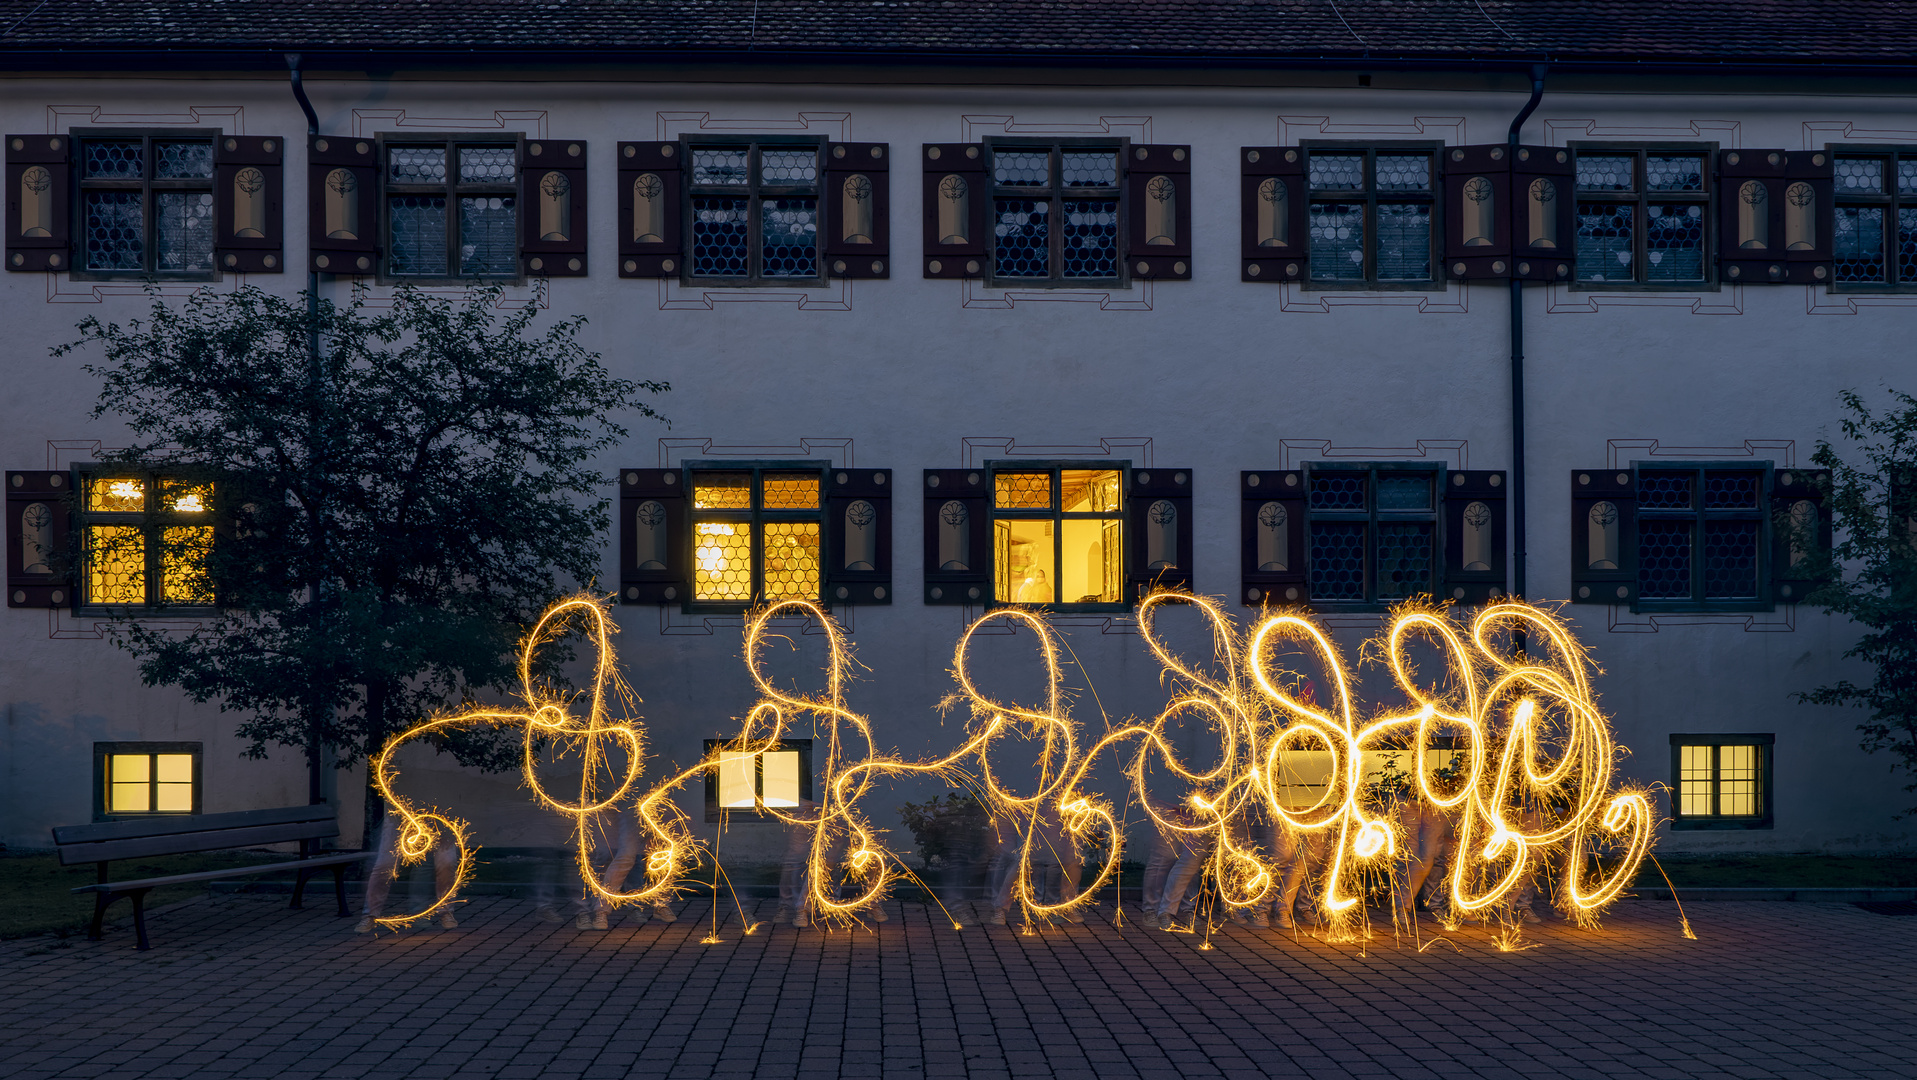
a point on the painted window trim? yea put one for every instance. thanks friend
(1437, 284)
(715, 815)
(103, 750)
(1707, 197)
(384, 189)
(1767, 819)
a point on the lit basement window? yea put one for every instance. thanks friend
(148, 778)
(743, 782)
(1721, 781)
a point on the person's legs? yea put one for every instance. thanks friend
(625, 856)
(1157, 868)
(1181, 884)
(379, 880)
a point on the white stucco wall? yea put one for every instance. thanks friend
(1217, 374)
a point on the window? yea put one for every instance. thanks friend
(1373, 532)
(451, 207)
(747, 783)
(1055, 212)
(1700, 536)
(146, 204)
(756, 533)
(1058, 535)
(1876, 223)
(1721, 781)
(148, 540)
(1642, 215)
(755, 212)
(1369, 219)
(134, 778)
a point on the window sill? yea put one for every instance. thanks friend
(1062, 609)
(746, 283)
(409, 279)
(991, 282)
(1720, 824)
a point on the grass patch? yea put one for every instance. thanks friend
(1783, 872)
(35, 896)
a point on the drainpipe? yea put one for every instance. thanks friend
(1517, 365)
(315, 378)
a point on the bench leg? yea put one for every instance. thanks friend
(139, 917)
(100, 902)
(299, 888)
(339, 891)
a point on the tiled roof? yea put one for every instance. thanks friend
(1619, 31)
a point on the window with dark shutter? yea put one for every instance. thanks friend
(552, 191)
(39, 509)
(1056, 209)
(248, 211)
(1158, 516)
(1369, 221)
(1272, 203)
(1642, 215)
(858, 549)
(1874, 228)
(1272, 524)
(1603, 536)
(955, 204)
(1774, 216)
(39, 202)
(1477, 203)
(1543, 214)
(654, 567)
(1801, 531)
(1371, 533)
(450, 207)
(1158, 196)
(858, 210)
(753, 212)
(1056, 535)
(146, 539)
(342, 199)
(651, 180)
(145, 206)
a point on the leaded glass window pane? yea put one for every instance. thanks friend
(1404, 559)
(1337, 560)
(1731, 490)
(1404, 241)
(789, 236)
(488, 240)
(1606, 172)
(721, 165)
(418, 224)
(1864, 176)
(115, 231)
(1664, 490)
(1022, 490)
(1907, 244)
(1338, 489)
(788, 168)
(719, 240)
(1664, 560)
(416, 164)
(488, 164)
(791, 491)
(1404, 172)
(1859, 243)
(183, 236)
(1337, 172)
(1663, 173)
(1730, 560)
(1091, 238)
(1604, 241)
(1906, 176)
(1674, 242)
(1022, 168)
(1098, 169)
(1337, 241)
(114, 159)
(183, 160)
(1023, 238)
(1404, 491)
(791, 560)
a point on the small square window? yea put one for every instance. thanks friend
(1721, 781)
(145, 779)
(750, 783)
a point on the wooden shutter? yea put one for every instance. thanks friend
(858, 536)
(39, 518)
(1271, 206)
(1543, 214)
(651, 177)
(958, 537)
(1272, 523)
(1750, 217)
(1603, 536)
(654, 561)
(39, 202)
(1809, 216)
(1797, 502)
(858, 210)
(1477, 218)
(956, 194)
(1158, 530)
(342, 198)
(249, 182)
(552, 208)
(1158, 212)
(1474, 536)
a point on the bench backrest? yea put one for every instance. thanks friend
(146, 837)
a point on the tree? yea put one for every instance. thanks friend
(397, 506)
(1871, 569)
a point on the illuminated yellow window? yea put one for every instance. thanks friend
(1722, 781)
(1058, 536)
(148, 541)
(738, 782)
(148, 778)
(757, 534)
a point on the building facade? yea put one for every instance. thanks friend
(966, 317)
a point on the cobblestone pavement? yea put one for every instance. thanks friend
(240, 987)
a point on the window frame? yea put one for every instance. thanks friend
(1055, 193)
(1370, 197)
(756, 516)
(148, 188)
(715, 813)
(1890, 200)
(1640, 198)
(1058, 517)
(103, 753)
(1761, 514)
(756, 193)
(151, 522)
(1373, 517)
(1766, 818)
(453, 189)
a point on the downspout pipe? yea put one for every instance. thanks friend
(315, 386)
(1517, 364)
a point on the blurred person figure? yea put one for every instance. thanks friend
(379, 882)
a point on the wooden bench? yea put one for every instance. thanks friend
(148, 837)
